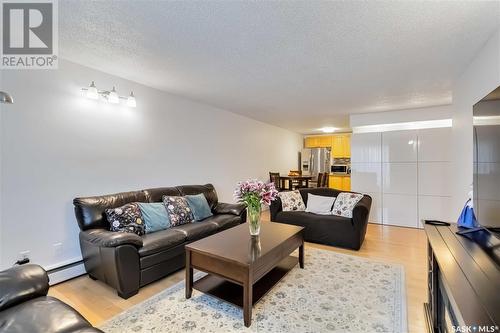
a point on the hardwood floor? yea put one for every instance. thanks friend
(97, 302)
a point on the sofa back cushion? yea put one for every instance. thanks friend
(156, 194)
(90, 211)
(208, 190)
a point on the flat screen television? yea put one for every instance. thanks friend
(486, 187)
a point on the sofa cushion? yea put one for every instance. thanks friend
(127, 218)
(160, 258)
(324, 229)
(306, 219)
(160, 241)
(223, 221)
(178, 210)
(195, 231)
(42, 314)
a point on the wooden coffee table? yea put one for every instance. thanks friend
(242, 268)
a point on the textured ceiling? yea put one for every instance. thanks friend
(299, 65)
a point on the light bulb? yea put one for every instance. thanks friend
(92, 91)
(113, 96)
(328, 129)
(131, 102)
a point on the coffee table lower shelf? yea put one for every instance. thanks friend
(233, 293)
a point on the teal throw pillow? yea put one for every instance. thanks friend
(199, 206)
(155, 216)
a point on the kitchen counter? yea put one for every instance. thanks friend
(340, 175)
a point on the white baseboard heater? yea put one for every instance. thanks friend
(66, 272)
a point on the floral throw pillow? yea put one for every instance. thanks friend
(127, 218)
(178, 210)
(345, 203)
(292, 201)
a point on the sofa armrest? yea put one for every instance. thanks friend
(21, 283)
(105, 238)
(226, 208)
(361, 212)
(275, 208)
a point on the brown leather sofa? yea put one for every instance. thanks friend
(25, 306)
(126, 261)
(327, 229)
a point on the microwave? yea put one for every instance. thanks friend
(341, 168)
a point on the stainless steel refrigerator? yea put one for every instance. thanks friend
(314, 161)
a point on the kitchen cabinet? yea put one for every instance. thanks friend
(341, 146)
(342, 183)
(324, 141)
(346, 183)
(310, 142)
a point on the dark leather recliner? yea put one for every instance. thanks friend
(25, 306)
(126, 261)
(327, 229)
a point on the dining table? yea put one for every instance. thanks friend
(302, 180)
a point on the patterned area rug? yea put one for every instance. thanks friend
(334, 293)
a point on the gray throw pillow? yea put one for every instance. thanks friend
(155, 216)
(199, 206)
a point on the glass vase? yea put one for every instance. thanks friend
(254, 248)
(253, 218)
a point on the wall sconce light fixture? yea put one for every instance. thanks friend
(109, 95)
(6, 98)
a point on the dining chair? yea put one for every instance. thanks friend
(319, 181)
(326, 178)
(274, 177)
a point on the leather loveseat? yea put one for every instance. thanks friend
(327, 229)
(126, 261)
(25, 306)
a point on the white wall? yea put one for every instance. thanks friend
(57, 145)
(479, 78)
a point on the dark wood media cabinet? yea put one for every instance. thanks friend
(463, 281)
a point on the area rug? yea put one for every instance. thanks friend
(334, 293)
